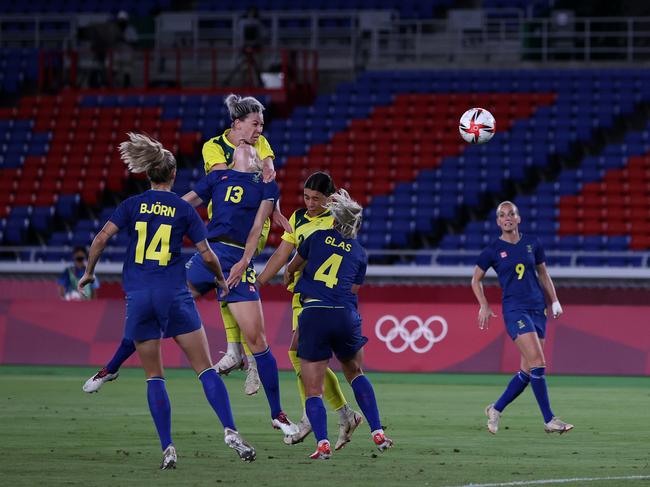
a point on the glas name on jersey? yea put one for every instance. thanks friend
(341, 245)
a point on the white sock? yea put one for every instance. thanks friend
(251, 362)
(233, 349)
(343, 412)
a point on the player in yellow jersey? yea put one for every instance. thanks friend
(305, 221)
(247, 124)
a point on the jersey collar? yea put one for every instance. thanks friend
(225, 139)
(320, 215)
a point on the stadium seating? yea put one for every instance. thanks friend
(17, 67)
(539, 115)
(389, 137)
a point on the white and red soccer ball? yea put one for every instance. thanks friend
(477, 126)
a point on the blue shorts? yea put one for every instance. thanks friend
(323, 330)
(160, 313)
(519, 322)
(202, 278)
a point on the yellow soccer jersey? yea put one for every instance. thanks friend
(303, 226)
(219, 150)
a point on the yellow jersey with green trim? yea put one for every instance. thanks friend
(303, 226)
(219, 150)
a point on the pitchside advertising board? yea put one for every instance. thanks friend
(403, 337)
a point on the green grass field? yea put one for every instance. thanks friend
(51, 433)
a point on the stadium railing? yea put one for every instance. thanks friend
(26, 263)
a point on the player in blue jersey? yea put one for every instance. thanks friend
(333, 268)
(315, 216)
(158, 302)
(241, 203)
(519, 262)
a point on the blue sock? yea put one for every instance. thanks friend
(317, 415)
(161, 410)
(267, 367)
(538, 383)
(365, 396)
(123, 352)
(217, 395)
(516, 386)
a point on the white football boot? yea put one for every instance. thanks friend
(234, 440)
(97, 381)
(493, 419)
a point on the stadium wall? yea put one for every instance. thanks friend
(410, 329)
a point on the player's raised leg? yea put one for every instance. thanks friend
(251, 321)
(111, 371)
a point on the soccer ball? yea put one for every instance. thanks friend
(477, 126)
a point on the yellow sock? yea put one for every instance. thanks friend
(233, 335)
(332, 392)
(247, 350)
(295, 361)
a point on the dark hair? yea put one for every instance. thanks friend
(80, 248)
(320, 181)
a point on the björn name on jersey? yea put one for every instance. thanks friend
(158, 209)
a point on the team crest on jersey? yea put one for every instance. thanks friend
(256, 178)
(504, 254)
(529, 248)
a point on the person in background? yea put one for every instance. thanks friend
(69, 278)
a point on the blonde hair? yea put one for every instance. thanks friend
(240, 108)
(503, 203)
(346, 212)
(144, 154)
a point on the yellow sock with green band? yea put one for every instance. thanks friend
(233, 335)
(332, 392)
(295, 361)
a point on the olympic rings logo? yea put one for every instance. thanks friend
(399, 332)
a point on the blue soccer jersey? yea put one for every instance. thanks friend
(236, 197)
(156, 222)
(334, 265)
(515, 265)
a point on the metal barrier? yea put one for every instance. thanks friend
(26, 263)
(281, 70)
(488, 40)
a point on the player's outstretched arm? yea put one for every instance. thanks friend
(275, 263)
(96, 249)
(263, 212)
(192, 198)
(484, 312)
(280, 220)
(212, 261)
(547, 284)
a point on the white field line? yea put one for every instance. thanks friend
(558, 481)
